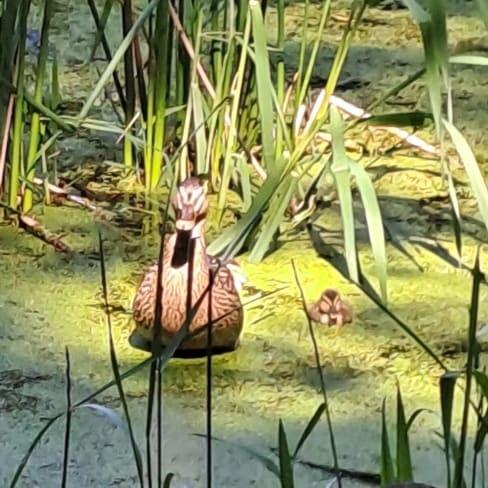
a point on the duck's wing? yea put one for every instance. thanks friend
(144, 300)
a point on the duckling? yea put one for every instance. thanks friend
(330, 309)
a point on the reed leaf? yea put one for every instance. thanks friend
(374, 222)
(117, 57)
(447, 385)
(471, 364)
(233, 237)
(403, 456)
(160, 87)
(312, 423)
(273, 219)
(67, 430)
(35, 128)
(286, 464)
(321, 379)
(483, 10)
(472, 169)
(167, 480)
(401, 119)
(340, 168)
(115, 367)
(387, 466)
(18, 121)
(263, 82)
(469, 59)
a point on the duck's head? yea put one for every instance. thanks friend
(330, 301)
(190, 205)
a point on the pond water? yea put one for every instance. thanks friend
(49, 302)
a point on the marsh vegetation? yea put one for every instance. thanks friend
(342, 144)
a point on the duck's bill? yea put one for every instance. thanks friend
(185, 225)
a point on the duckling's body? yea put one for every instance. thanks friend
(330, 309)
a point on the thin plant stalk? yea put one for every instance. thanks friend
(155, 373)
(303, 80)
(321, 379)
(130, 90)
(100, 37)
(5, 139)
(280, 74)
(231, 137)
(115, 366)
(471, 362)
(18, 123)
(162, 59)
(35, 128)
(67, 430)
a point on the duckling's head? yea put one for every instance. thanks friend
(190, 205)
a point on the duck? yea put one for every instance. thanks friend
(184, 253)
(330, 309)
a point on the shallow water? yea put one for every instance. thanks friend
(48, 302)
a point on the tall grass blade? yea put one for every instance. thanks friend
(482, 6)
(155, 370)
(67, 430)
(263, 81)
(280, 74)
(115, 366)
(18, 121)
(118, 55)
(374, 222)
(471, 364)
(455, 213)
(303, 81)
(35, 129)
(447, 385)
(434, 40)
(208, 389)
(268, 463)
(341, 170)
(401, 119)
(162, 59)
(321, 378)
(232, 239)
(387, 467)
(234, 116)
(472, 169)
(167, 480)
(130, 88)
(101, 23)
(481, 433)
(309, 428)
(469, 59)
(274, 218)
(403, 456)
(286, 465)
(199, 123)
(9, 42)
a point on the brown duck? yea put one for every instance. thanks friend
(330, 309)
(186, 244)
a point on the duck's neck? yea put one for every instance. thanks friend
(183, 245)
